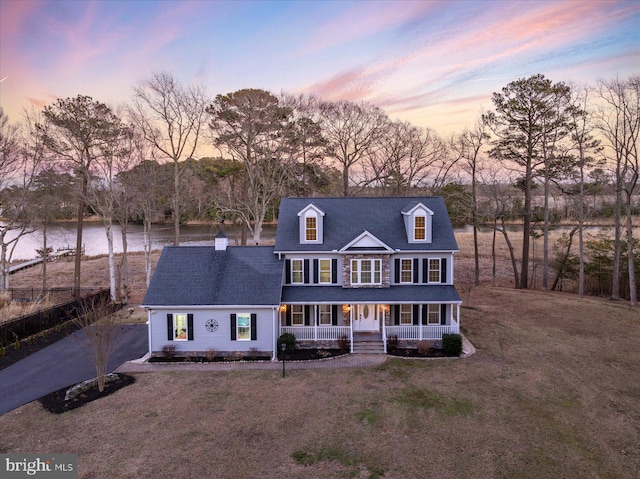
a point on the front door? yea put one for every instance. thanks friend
(365, 317)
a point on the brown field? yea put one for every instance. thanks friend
(553, 391)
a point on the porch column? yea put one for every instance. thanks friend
(420, 327)
(458, 317)
(351, 326)
(315, 322)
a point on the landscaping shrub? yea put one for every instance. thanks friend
(344, 344)
(424, 347)
(452, 344)
(288, 339)
(392, 343)
(211, 354)
(253, 353)
(169, 351)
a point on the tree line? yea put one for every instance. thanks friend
(173, 152)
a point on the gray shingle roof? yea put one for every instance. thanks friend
(200, 275)
(439, 293)
(346, 218)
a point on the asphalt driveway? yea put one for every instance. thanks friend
(62, 364)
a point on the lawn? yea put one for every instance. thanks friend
(553, 391)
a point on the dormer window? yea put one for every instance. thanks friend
(420, 228)
(417, 221)
(311, 228)
(311, 225)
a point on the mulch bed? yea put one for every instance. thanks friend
(297, 355)
(56, 404)
(413, 353)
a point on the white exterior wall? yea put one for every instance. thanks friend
(220, 340)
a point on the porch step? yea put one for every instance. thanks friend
(368, 347)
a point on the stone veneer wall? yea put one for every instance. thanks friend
(386, 270)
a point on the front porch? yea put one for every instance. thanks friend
(362, 325)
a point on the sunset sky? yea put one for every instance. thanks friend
(433, 63)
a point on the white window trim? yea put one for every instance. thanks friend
(307, 229)
(320, 271)
(320, 313)
(403, 313)
(186, 329)
(415, 228)
(299, 313)
(238, 338)
(439, 260)
(437, 311)
(410, 260)
(358, 271)
(301, 271)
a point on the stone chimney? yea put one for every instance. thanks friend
(221, 241)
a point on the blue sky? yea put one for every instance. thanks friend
(433, 63)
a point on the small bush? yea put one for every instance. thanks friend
(452, 344)
(234, 356)
(392, 343)
(253, 353)
(290, 341)
(424, 347)
(211, 354)
(344, 344)
(169, 351)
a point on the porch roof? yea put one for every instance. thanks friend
(441, 293)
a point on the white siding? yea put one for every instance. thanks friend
(221, 338)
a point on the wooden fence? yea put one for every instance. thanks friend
(28, 325)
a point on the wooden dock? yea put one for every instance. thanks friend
(61, 253)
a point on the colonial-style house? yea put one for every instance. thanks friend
(358, 271)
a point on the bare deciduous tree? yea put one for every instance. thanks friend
(170, 118)
(353, 132)
(100, 326)
(620, 124)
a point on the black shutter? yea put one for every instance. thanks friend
(396, 314)
(233, 327)
(416, 314)
(425, 270)
(254, 326)
(425, 313)
(334, 314)
(170, 327)
(416, 273)
(443, 314)
(307, 315)
(287, 271)
(334, 271)
(397, 270)
(316, 274)
(306, 271)
(190, 327)
(443, 270)
(287, 315)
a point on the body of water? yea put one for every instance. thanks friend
(63, 235)
(94, 238)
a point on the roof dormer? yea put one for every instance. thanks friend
(418, 223)
(311, 221)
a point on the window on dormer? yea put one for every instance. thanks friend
(311, 228)
(420, 228)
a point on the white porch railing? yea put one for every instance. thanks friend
(317, 333)
(421, 332)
